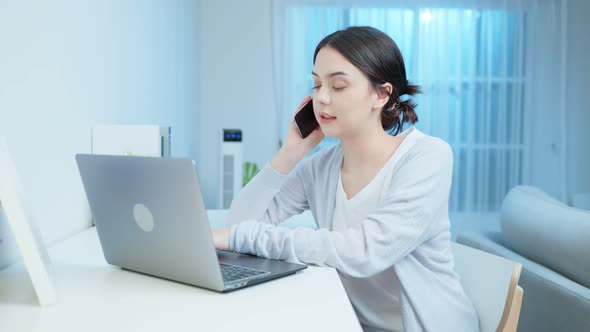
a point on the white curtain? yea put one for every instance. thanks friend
(492, 75)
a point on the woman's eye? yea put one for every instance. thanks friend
(316, 87)
(338, 88)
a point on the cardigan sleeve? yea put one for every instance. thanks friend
(418, 194)
(270, 197)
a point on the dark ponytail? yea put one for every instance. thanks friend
(398, 111)
(379, 58)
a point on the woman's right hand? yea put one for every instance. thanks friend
(295, 147)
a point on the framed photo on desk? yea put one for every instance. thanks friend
(24, 231)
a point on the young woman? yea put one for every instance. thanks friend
(380, 200)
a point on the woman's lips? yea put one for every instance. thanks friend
(326, 118)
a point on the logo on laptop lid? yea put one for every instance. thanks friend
(143, 217)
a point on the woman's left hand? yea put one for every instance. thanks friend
(221, 238)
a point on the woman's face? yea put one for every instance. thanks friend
(344, 102)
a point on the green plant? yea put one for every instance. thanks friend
(250, 170)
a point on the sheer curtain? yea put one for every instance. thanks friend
(492, 75)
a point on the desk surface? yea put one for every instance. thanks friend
(95, 296)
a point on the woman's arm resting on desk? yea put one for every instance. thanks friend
(388, 234)
(270, 197)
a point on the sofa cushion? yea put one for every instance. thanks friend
(548, 232)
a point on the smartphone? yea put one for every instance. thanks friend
(305, 120)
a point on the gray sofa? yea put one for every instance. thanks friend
(552, 242)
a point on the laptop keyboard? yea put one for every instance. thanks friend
(233, 273)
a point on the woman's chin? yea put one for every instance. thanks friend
(330, 131)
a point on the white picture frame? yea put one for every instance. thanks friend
(24, 231)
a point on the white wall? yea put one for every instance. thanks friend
(577, 104)
(68, 65)
(236, 84)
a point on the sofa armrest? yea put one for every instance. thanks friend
(492, 243)
(551, 301)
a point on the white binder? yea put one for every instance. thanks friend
(136, 140)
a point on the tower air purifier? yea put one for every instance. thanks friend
(231, 166)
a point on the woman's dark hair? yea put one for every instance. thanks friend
(379, 58)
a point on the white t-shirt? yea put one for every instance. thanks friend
(375, 299)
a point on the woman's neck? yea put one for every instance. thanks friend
(368, 151)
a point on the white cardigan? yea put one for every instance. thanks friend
(409, 230)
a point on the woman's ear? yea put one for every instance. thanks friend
(383, 92)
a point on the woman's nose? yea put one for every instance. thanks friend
(323, 96)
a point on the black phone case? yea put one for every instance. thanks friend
(305, 120)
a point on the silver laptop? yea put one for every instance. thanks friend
(150, 218)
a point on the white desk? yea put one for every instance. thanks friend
(95, 296)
